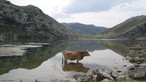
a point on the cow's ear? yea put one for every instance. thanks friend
(82, 51)
(85, 51)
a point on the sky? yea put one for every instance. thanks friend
(107, 13)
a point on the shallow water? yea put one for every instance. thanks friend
(45, 62)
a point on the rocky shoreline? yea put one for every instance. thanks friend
(104, 75)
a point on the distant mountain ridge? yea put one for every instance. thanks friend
(134, 27)
(83, 28)
(29, 22)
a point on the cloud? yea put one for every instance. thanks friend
(80, 6)
(98, 12)
(111, 17)
(50, 7)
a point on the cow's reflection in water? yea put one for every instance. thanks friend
(74, 55)
(78, 67)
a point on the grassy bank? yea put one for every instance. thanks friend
(100, 35)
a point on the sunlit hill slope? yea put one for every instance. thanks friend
(132, 28)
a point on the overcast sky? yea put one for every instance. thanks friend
(106, 13)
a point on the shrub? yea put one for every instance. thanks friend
(17, 10)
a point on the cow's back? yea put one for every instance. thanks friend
(72, 55)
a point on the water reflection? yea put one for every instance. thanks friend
(78, 67)
(32, 58)
(86, 45)
(45, 63)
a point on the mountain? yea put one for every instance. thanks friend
(132, 28)
(29, 22)
(83, 28)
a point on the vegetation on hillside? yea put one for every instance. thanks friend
(84, 29)
(29, 22)
(98, 36)
(132, 28)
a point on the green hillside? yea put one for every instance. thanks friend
(128, 24)
(84, 29)
(132, 28)
(29, 22)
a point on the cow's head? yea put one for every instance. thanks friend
(85, 53)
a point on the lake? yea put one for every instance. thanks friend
(26, 62)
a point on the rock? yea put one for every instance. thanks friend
(94, 77)
(141, 55)
(98, 75)
(128, 58)
(119, 71)
(106, 80)
(144, 53)
(137, 72)
(55, 80)
(124, 65)
(80, 79)
(86, 78)
(89, 73)
(113, 75)
(121, 77)
(137, 60)
(70, 80)
(65, 80)
(105, 73)
(131, 68)
(83, 78)
(37, 80)
(102, 73)
(135, 48)
(77, 76)
(136, 65)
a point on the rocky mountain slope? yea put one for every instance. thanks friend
(133, 28)
(84, 29)
(29, 22)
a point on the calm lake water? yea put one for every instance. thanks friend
(43, 61)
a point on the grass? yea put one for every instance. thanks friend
(94, 81)
(126, 81)
(100, 35)
(86, 36)
(105, 35)
(118, 81)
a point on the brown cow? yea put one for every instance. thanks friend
(75, 55)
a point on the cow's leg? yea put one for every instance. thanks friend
(63, 63)
(65, 60)
(78, 58)
(77, 61)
